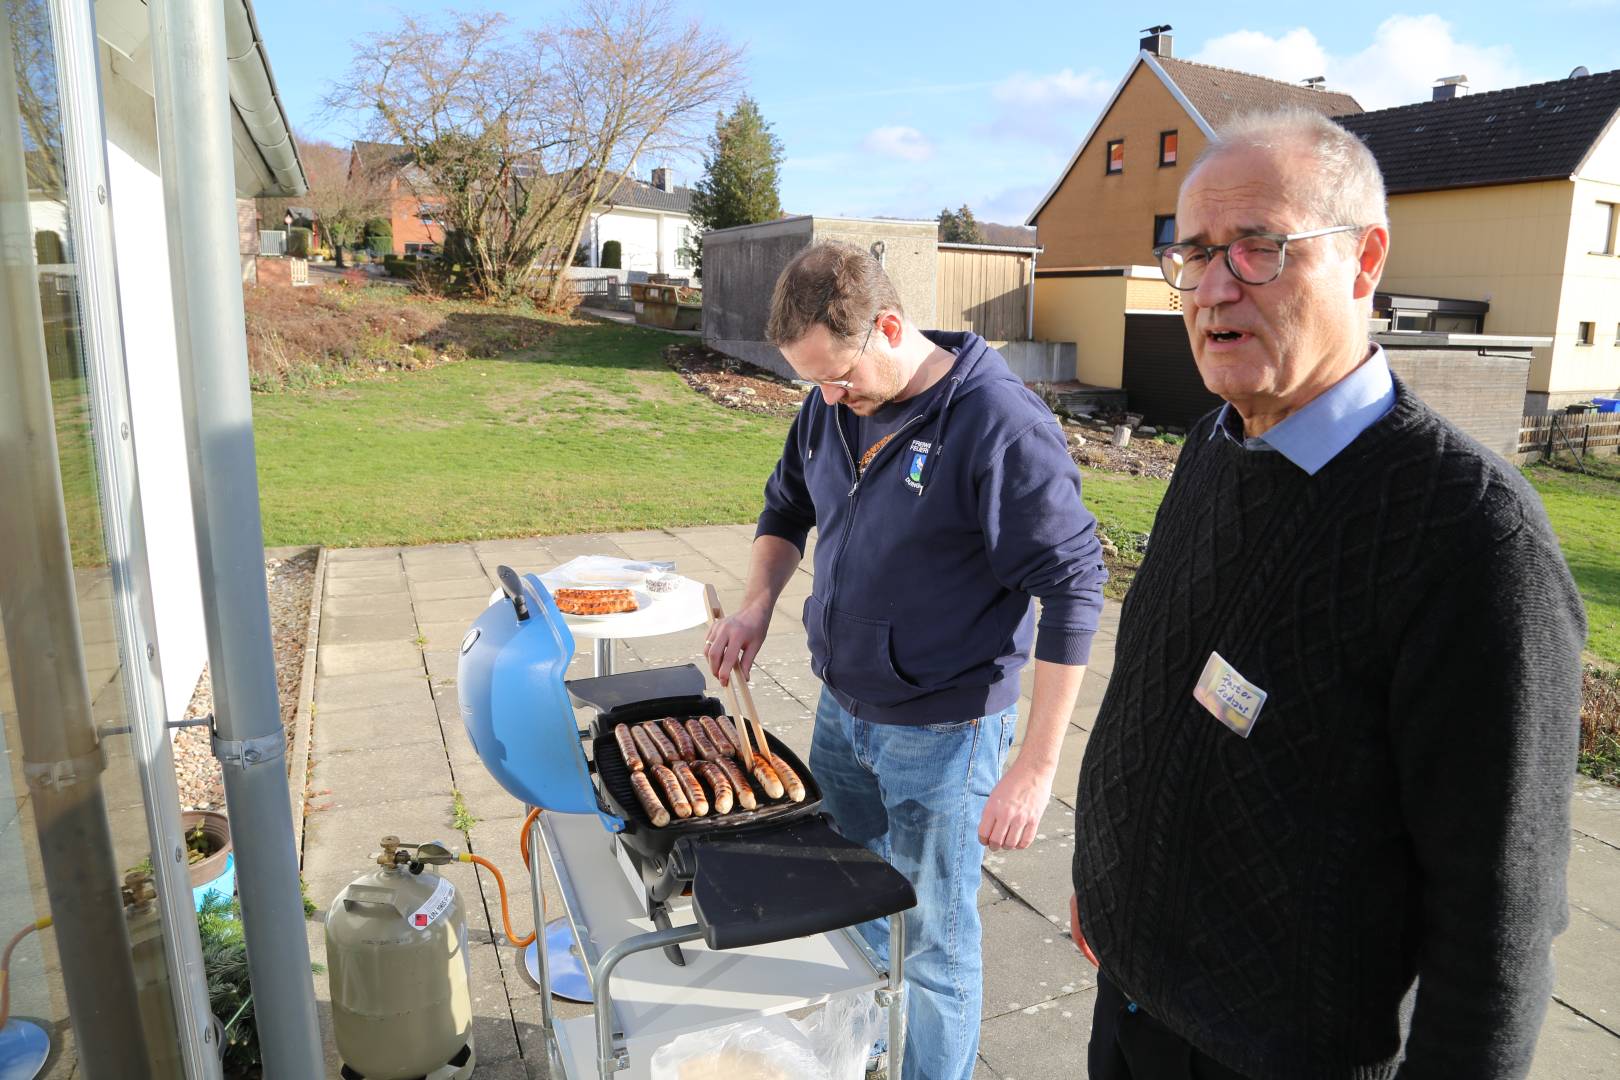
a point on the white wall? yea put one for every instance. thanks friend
(147, 311)
(649, 241)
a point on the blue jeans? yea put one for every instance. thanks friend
(914, 795)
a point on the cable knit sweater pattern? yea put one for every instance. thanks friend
(1369, 884)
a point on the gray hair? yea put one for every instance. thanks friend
(1346, 185)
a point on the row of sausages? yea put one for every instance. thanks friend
(682, 757)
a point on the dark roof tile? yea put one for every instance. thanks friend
(1537, 132)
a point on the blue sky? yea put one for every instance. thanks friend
(899, 109)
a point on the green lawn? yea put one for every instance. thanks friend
(1585, 512)
(590, 431)
(1123, 504)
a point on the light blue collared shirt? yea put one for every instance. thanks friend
(1316, 434)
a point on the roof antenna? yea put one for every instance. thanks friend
(1580, 72)
(1315, 81)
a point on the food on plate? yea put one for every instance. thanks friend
(693, 789)
(666, 749)
(595, 601)
(679, 738)
(723, 740)
(671, 787)
(649, 799)
(790, 779)
(649, 749)
(627, 746)
(739, 783)
(718, 782)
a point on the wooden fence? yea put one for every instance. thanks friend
(985, 290)
(1561, 433)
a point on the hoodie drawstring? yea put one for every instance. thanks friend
(939, 434)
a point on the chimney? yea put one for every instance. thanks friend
(1157, 40)
(1452, 86)
(662, 180)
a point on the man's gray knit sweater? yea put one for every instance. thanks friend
(1400, 809)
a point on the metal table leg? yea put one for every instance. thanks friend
(608, 1059)
(897, 996)
(548, 1023)
(603, 657)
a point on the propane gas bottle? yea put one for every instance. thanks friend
(396, 951)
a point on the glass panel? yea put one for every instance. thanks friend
(1116, 156)
(1167, 148)
(74, 844)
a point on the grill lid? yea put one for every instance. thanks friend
(514, 704)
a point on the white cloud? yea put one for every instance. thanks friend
(1058, 89)
(1052, 109)
(1407, 55)
(905, 143)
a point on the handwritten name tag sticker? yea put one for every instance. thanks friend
(1229, 697)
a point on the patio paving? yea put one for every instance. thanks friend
(390, 751)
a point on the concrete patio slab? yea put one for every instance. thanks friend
(373, 656)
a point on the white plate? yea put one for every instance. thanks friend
(642, 598)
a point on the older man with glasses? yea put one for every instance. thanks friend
(1323, 817)
(945, 499)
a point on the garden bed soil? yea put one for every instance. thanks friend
(733, 383)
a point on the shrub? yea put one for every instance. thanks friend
(298, 242)
(610, 254)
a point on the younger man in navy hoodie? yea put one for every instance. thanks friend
(945, 499)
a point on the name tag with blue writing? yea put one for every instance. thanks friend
(1229, 697)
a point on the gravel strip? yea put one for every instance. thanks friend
(289, 582)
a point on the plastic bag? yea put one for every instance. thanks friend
(842, 1034)
(832, 1043)
(598, 571)
(771, 1048)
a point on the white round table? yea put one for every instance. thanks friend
(669, 612)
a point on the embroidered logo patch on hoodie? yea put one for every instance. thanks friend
(919, 458)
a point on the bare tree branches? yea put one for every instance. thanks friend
(343, 198)
(519, 137)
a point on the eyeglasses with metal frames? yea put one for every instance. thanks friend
(845, 384)
(1255, 259)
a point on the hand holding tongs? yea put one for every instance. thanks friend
(765, 767)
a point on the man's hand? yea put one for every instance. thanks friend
(1013, 814)
(734, 641)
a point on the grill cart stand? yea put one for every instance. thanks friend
(642, 1001)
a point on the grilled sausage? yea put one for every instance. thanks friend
(701, 741)
(728, 734)
(660, 740)
(627, 746)
(766, 775)
(678, 736)
(694, 790)
(672, 791)
(649, 799)
(649, 751)
(790, 779)
(719, 782)
(739, 782)
(723, 742)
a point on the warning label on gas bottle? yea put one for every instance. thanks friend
(435, 906)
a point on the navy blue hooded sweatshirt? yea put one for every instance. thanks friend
(925, 566)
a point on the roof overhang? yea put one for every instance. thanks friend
(1153, 65)
(266, 156)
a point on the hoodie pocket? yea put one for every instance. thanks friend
(855, 656)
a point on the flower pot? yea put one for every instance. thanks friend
(217, 872)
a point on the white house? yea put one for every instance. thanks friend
(652, 223)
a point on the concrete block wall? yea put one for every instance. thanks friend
(1483, 395)
(741, 265)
